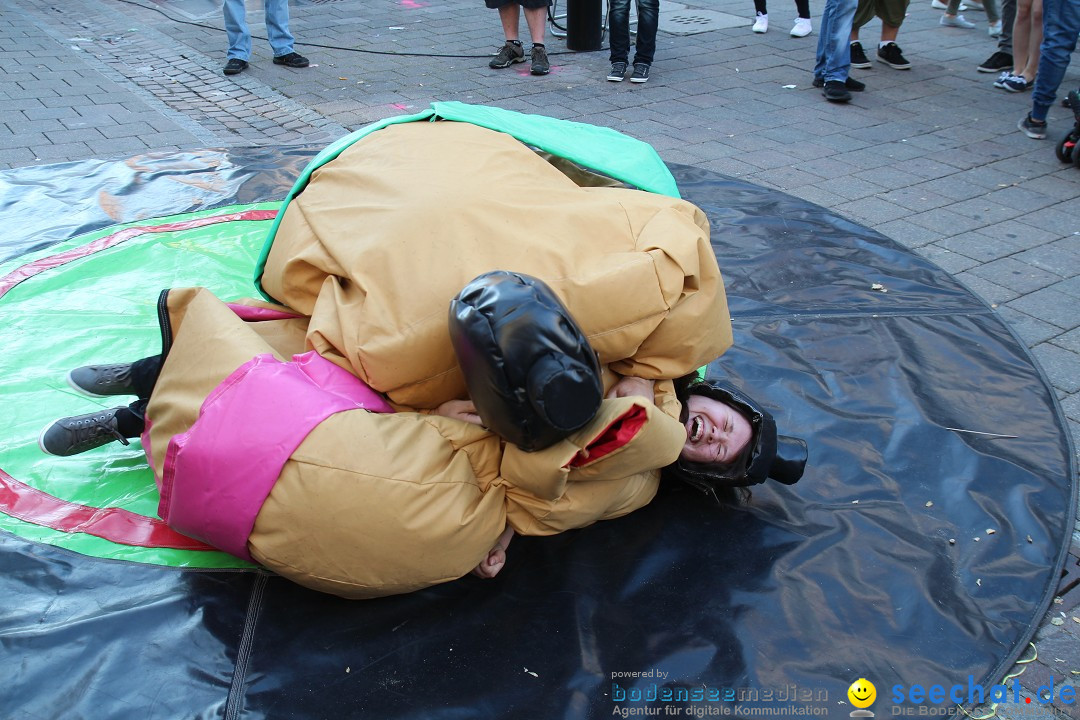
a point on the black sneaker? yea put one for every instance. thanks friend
(617, 72)
(540, 64)
(1032, 128)
(640, 74)
(235, 66)
(836, 92)
(851, 84)
(891, 56)
(73, 435)
(858, 57)
(102, 380)
(293, 60)
(508, 54)
(997, 62)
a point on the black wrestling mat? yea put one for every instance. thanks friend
(921, 547)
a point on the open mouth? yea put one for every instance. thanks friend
(697, 429)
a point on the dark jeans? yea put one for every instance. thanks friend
(131, 421)
(648, 16)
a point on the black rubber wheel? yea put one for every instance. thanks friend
(1075, 157)
(1064, 149)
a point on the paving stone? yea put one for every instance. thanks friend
(1051, 305)
(1061, 366)
(947, 260)
(1016, 275)
(990, 292)
(1071, 406)
(1031, 330)
(1069, 340)
(1061, 256)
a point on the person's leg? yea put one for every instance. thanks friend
(1021, 35)
(760, 7)
(236, 30)
(1034, 41)
(1061, 25)
(802, 7)
(511, 52)
(619, 31)
(536, 19)
(510, 17)
(648, 19)
(1008, 17)
(802, 26)
(834, 49)
(276, 13)
(888, 32)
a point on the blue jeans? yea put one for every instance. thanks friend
(834, 40)
(1061, 23)
(277, 28)
(648, 17)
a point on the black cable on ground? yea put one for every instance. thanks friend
(347, 49)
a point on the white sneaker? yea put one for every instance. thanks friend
(938, 5)
(994, 29)
(956, 22)
(802, 27)
(761, 23)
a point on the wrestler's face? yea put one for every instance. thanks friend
(715, 432)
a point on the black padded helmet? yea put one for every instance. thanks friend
(528, 366)
(767, 455)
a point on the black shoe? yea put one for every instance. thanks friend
(617, 72)
(640, 74)
(508, 54)
(293, 60)
(836, 92)
(73, 435)
(235, 66)
(540, 64)
(102, 380)
(851, 84)
(891, 56)
(858, 57)
(997, 62)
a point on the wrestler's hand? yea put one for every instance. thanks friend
(459, 410)
(629, 386)
(490, 566)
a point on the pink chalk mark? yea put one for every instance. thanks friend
(412, 4)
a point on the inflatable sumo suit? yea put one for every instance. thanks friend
(264, 432)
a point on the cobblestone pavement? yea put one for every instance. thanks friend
(930, 156)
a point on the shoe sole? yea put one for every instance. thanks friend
(895, 66)
(840, 99)
(862, 65)
(1034, 135)
(614, 78)
(41, 439)
(800, 34)
(761, 32)
(638, 81)
(506, 65)
(534, 71)
(984, 69)
(81, 390)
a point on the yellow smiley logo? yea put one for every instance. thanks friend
(862, 693)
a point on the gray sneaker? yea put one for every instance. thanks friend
(102, 380)
(617, 72)
(77, 434)
(540, 64)
(508, 54)
(640, 74)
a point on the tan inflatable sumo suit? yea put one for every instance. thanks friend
(368, 257)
